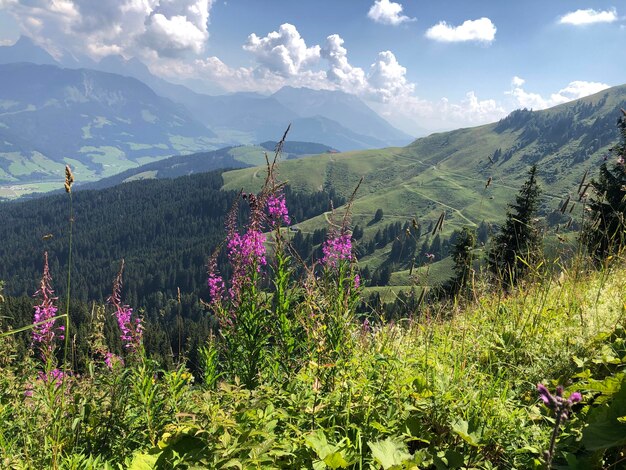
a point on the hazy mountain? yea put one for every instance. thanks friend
(344, 108)
(314, 114)
(99, 122)
(25, 50)
(136, 69)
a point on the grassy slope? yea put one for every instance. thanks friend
(445, 172)
(459, 384)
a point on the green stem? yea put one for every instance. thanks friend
(69, 278)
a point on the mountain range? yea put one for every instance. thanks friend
(465, 177)
(113, 115)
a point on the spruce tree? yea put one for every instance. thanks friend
(518, 245)
(605, 231)
(462, 257)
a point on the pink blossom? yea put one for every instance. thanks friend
(245, 252)
(277, 209)
(337, 249)
(111, 360)
(131, 329)
(45, 333)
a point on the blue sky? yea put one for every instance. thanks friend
(422, 64)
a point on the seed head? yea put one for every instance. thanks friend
(69, 179)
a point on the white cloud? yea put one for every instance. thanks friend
(415, 115)
(482, 30)
(387, 78)
(588, 16)
(471, 110)
(340, 72)
(577, 89)
(143, 28)
(386, 12)
(573, 91)
(176, 27)
(283, 52)
(517, 81)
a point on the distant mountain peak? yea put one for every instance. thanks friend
(25, 50)
(345, 108)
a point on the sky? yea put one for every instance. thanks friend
(424, 65)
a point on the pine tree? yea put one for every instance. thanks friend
(462, 257)
(605, 232)
(518, 245)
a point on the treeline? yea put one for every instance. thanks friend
(552, 131)
(164, 229)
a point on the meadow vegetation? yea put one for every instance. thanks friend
(519, 367)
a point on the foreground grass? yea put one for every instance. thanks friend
(454, 388)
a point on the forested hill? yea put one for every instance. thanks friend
(164, 229)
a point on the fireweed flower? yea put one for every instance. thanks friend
(245, 252)
(131, 329)
(562, 408)
(45, 333)
(560, 405)
(277, 209)
(111, 360)
(215, 281)
(336, 249)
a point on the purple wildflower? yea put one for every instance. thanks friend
(337, 249)
(277, 209)
(562, 408)
(131, 329)
(557, 402)
(430, 257)
(55, 376)
(111, 360)
(215, 282)
(245, 252)
(45, 333)
(357, 281)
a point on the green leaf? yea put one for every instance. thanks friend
(336, 460)
(389, 453)
(605, 429)
(317, 441)
(461, 429)
(143, 462)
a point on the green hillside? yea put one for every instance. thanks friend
(448, 172)
(99, 123)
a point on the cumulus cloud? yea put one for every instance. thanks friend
(284, 51)
(386, 12)
(178, 26)
(517, 81)
(573, 91)
(481, 30)
(588, 16)
(340, 72)
(387, 78)
(144, 28)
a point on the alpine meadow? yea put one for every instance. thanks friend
(312, 235)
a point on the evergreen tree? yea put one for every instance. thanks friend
(483, 232)
(378, 215)
(462, 257)
(517, 245)
(605, 233)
